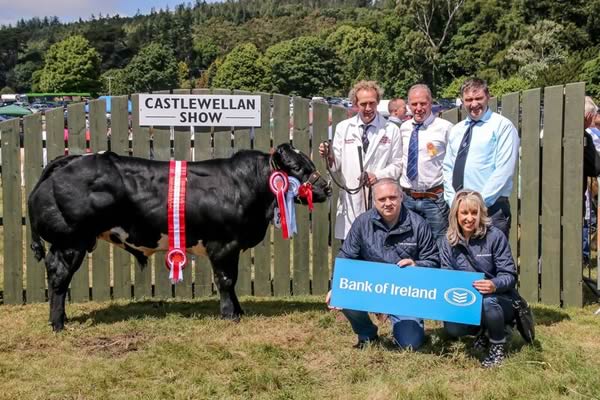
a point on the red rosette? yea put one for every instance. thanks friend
(278, 183)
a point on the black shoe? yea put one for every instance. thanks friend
(481, 342)
(364, 343)
(495, 357)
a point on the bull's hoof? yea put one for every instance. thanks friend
(58, 327)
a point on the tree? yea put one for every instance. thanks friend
(153, 68)
(21, 75)
(113, 82)
(240, 69)
(71, 66)
(363, 54)
(304, 66)
(591, 76)
(510, 85)
(540, 48)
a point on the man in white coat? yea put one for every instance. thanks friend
(381, 152)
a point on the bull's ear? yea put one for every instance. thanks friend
(278, 157)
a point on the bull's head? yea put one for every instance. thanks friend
(297, 164)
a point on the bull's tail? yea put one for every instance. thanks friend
(37, 245)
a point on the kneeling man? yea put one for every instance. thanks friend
(390, 233)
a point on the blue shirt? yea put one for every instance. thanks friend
(493, 153)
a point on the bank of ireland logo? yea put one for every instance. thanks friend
(460, 297)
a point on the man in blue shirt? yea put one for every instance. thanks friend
(389, 233)
(481, 154)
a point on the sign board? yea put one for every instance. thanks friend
(429, 293)
(199, 110)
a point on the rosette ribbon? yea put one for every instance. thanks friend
(176, 259)
(290, 208)
(278, 183)
(305, 192)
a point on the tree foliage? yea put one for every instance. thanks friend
(71, 65)
(153, 68)
(305, 66)
(241, 69)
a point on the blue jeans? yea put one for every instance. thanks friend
(500, 215)
(408, 332)
(496, 314)
(434, 211)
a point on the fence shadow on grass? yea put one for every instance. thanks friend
(205, 308)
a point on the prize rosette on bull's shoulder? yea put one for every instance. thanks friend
(176, 259)
(279, 183)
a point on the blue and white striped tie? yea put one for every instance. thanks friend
(412, 166)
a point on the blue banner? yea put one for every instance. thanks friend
(429, 293)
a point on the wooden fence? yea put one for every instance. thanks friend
(546, 233)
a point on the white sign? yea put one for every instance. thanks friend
(199, 110)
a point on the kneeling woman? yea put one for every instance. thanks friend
(472, 244)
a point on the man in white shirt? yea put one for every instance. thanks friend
(397, 109)
(381, 151)
(424, 140)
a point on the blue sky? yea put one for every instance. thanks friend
(70, 10)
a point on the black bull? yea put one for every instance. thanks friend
(123, 200)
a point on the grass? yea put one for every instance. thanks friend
(288, 348)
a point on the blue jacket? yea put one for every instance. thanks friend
(492, 254)
(370, 239)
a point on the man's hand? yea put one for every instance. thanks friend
(324, 152)
(405, 262)
(485, 286)
(371, 179)
(328, 300)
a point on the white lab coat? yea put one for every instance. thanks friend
(384, 159)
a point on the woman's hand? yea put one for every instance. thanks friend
(405, 262)
(485, 286)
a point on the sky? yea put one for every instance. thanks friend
(70, 10)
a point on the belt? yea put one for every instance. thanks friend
(431, 193)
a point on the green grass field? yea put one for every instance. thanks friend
(282, 349)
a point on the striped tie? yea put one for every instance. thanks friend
(412, 166)
(365, 137)
(458, 173)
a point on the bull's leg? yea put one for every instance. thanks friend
(225, 268)
(61, 264)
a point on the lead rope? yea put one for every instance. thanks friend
(361, 184)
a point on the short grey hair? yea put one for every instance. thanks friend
(590, 106)
(387, 181)
(420, 86)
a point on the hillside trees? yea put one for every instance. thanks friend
(153, 68)
(241, 69)
(70, 66)
(304, 66)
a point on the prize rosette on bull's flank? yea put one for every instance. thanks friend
(176, 259)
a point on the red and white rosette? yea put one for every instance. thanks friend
(176, 259)
(305, 192)
(278, 183)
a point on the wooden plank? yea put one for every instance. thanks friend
(262, 252)
(203, 271)
(122, 260)
(301, 242)
(338, 114)
(243, 287)
(573, 196)
(182, 141)
(320, 225)
(510, 109)
(493, 104)
(55, 133)
(530, 196)
(32, 142)
(551, 195)
(101, 255)
(452, 115)
(281, 252)
(80, 284)
(11, 212)
(140, 145)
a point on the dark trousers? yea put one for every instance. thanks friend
(496, 314)
(500, 215)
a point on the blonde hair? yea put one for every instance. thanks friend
(365, 85)
(473, 200)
